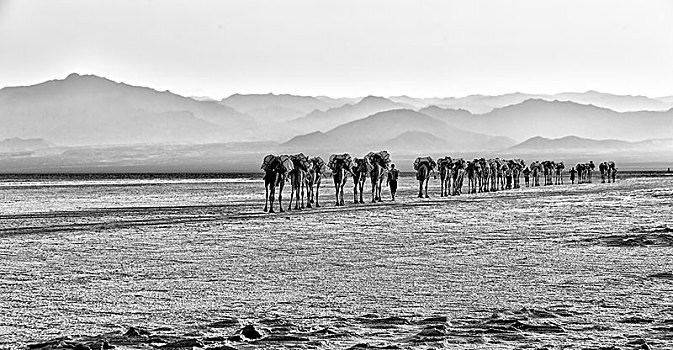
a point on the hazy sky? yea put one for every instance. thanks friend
(344, 48)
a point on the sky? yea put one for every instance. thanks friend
(344, 47)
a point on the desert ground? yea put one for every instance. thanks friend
(142, 263)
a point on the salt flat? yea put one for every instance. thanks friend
(585, 265)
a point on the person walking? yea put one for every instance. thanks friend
(526, 176)
(572, 174)
(393, 174)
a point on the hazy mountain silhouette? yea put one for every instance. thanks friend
(570, 143)
(333, 117)
(278, 108)
(89, 110)
(557, 119)
(396, 128)
(16, 144)
(480, 104)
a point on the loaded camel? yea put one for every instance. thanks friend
(359, 171)
(424, 166)
(377, 163)
(314, 177)
(341, 165)
(276, 169)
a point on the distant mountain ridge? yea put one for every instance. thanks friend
(333, 117)
(554, 119)
(16, 144)
(88, 110)
(396, 129)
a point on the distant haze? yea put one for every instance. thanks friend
(344, 47)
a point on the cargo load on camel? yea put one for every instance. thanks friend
(318, 164)
(281, 163)
(382, 157)
(300, 161)
(424, 160)
(344, 159)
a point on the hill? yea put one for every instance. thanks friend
(333, 117)
(570, 143)
(278, 108)
(395, 128)
(554, 119)
(89, 110)
(16, 144)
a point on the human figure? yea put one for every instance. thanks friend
(526, 176)
(393, 174)
(572, 175)
(614, 174)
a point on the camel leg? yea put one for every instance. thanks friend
(272, 192)
(317, 193)
(362, 192)
(289, 207)
(426, 188)
(280, 197)
(303, 188)
(336, 194)
(342, 194)
(355, 193)
(420, 188)
(266, 198)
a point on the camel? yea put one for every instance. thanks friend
(548, 167)
(377, 163)
(297, 180)
(507, 176)
(359, 172)
(423, 166)
(458, 173)
(471, 171)
(275, 169)
(612, 171)
(517, 166)
(526, 175)
(341, 165)
(484, 170)
(558, 180)
(536, 168)
(493, 174)
(589, 167)
(446, 168)
(314, 177)
(580, 172)
(603, 169)
(502, 170)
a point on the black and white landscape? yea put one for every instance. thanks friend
(322, 174)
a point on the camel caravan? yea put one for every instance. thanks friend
(483, 175)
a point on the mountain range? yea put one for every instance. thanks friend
(87, 111)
